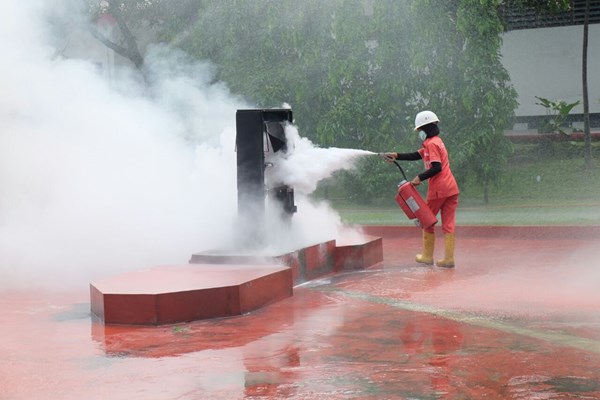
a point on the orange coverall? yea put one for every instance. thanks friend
(442, 191)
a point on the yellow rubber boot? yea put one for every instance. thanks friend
(448, 260)
(428, 244)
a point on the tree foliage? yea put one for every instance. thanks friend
(356, 72)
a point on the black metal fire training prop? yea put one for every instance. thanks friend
(258, 132)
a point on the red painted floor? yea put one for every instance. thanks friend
(517, 319)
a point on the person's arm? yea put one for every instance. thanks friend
(436, 168)
(403, 156)
(408, 156)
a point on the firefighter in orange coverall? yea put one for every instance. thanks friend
(442, 193)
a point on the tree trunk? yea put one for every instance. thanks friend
(130, 50)
(586, 110)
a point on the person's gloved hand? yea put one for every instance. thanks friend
(390, 157)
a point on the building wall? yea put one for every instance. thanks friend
(546, 62)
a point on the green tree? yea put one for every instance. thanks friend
(356, 78)
(354, 117)
(269, 51)
(356, 75)
(487, 99)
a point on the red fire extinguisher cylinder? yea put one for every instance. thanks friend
(413, 205)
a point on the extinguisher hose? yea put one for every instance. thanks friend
(401, 170)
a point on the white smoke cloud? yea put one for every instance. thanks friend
(99, 177)
(304, 164)
(95, 180)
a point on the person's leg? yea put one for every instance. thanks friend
(448, 213)
(426, 256)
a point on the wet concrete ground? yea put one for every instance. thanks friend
(517, 319)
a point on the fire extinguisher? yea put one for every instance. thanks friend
(413, 205)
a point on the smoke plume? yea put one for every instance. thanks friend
(102, 176)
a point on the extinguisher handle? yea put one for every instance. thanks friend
(401, 170)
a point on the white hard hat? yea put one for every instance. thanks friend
(424, 118)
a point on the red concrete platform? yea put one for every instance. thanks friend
(358, 255)
(307, 263)
(219, 284)
(310, 262)
(166, 295)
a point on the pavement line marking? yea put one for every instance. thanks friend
(557, 338)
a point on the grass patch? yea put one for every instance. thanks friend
(545, 182)
(584, 214)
